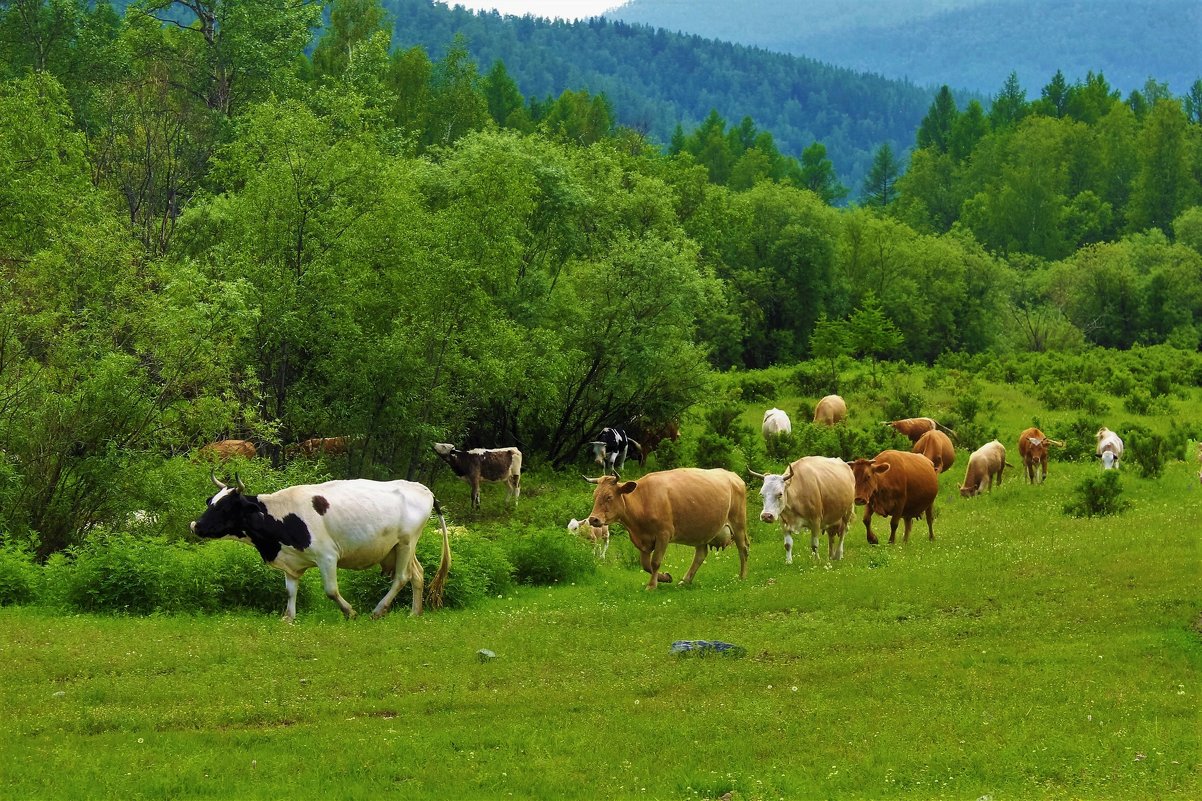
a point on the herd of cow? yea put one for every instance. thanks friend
(359, 523)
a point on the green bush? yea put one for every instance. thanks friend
(669, 454)
(121, 574)
(1098, 496)
(240, 581)
(550, 557)
(715, 450)
(779, 447)
(1146, 449)
(1080, 440)
(904, 403)
(18, 576)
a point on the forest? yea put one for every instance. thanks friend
(223, 229)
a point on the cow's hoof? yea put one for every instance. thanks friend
(666, 578)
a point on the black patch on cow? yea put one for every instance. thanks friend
(320, 504)
(246, 516)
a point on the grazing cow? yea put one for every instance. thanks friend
(480, 464)
(597, 535)
(815, 493)
(897, 485)
(1110, 448)
(225, 449)
(318, 446)
(984, 464)
(350, 524)
(912, 428)
(702, 508)
(938, 449)
(649, 437)
(830, 410)
(776, 423)
(1033, 448)
(611, 449)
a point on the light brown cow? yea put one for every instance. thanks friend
(935, 445)
(1033, 447)
(597, 535)
(830, 410)
(318, 446)
(815, 493)
(702, 508)
(984, 464)
(914, 427)
(226, 449)
(897, 485)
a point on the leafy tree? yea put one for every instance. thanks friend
(1192, 102)
(935, 132)
(1053, 98)
(871, 334)
(830, 342)
(878, 189)
(456, 104)
(505, 102)
(818, 174)
(352, 23)
(968, 129)
(1010, 106)
(1163, 187)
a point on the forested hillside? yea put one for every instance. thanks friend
(226, 230)
(657, 80)
(969, 44)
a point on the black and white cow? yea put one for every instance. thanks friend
(611, 449)
(481, 464)
(352, 524)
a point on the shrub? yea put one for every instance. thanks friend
(757, 389)
(904, 403)
(780, 446)
(1080, 440)
(18, 576)
(669, 454)
(1098, 496)
(715, 450)
(121, 574)
(1146, 449)
(812, 380)
(240, 580)
(550, 557)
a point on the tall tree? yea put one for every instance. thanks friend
(935, 131)
(1009, 106)
(878, 189)
(818, 174)
(352, 23)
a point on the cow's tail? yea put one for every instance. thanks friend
(955, 437)
(438, 584)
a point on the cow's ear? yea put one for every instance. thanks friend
(883, 467)
(627, 487)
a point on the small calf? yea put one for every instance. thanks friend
(597, 535)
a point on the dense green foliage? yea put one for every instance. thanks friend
(973, 42)
(209, 234)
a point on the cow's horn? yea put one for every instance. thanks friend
(591, 480)
(752, 472)
(238, 482)
(217, 481)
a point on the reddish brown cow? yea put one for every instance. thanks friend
(649, 437)
(897, 485)
(225, 449)
(318, 446)
(830, 410)
(1033, 447)
(912, 428)
(935, 445)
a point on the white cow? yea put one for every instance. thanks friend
(597, 535)
(776, 423)
(353, 524)
(1110, 448)
(815, 493)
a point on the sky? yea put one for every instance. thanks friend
(567, 9)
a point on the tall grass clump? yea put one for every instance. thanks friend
(19, 576)
(542, 557)
(1098, 496)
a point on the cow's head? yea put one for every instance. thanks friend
(773, 492)
(443, 448)
(1108, 460)
(1038, 448)
(866, 472)
(609, 499)
(229, 512)
(969, 491)
(598, 452)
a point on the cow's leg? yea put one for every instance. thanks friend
(788, 549)
(893, 528)
(604, 546)
(656, 558)
(698, 557)
(475, 492)
(840, 530)
(738, 531)
(292, 583)
(403, 557)
(329, 581)
(653, 568)
(872, 540)
(930, 522)
(515, 488)
(815, 535)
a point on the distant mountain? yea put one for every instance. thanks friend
(656, 80)
(967, 44)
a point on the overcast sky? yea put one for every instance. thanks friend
(568, 9)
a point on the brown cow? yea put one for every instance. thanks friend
(934, 445)
(225, 449)
(914, 427)
(702, 508)
(649, 437)
(481, 464)
(1033, 447)
(984, 464)
(897, 485)
(830, 410)
(319, 446)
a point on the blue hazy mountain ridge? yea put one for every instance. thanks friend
(969, 44)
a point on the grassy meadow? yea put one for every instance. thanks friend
(1022, 654)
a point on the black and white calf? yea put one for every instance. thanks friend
(353, 524)
(480, 464)
(611, 449)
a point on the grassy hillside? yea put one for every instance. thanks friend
(1022, 654)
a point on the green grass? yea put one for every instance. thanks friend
(1022, 654)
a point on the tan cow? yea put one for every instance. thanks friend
(597, 535)
(815, 493)
(702, 508)
(914, 427)
(830, 410)
(984, 464)
(226, 449)
(938, 449)
(1033, 447)
(897, 485)
(1110, 448)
